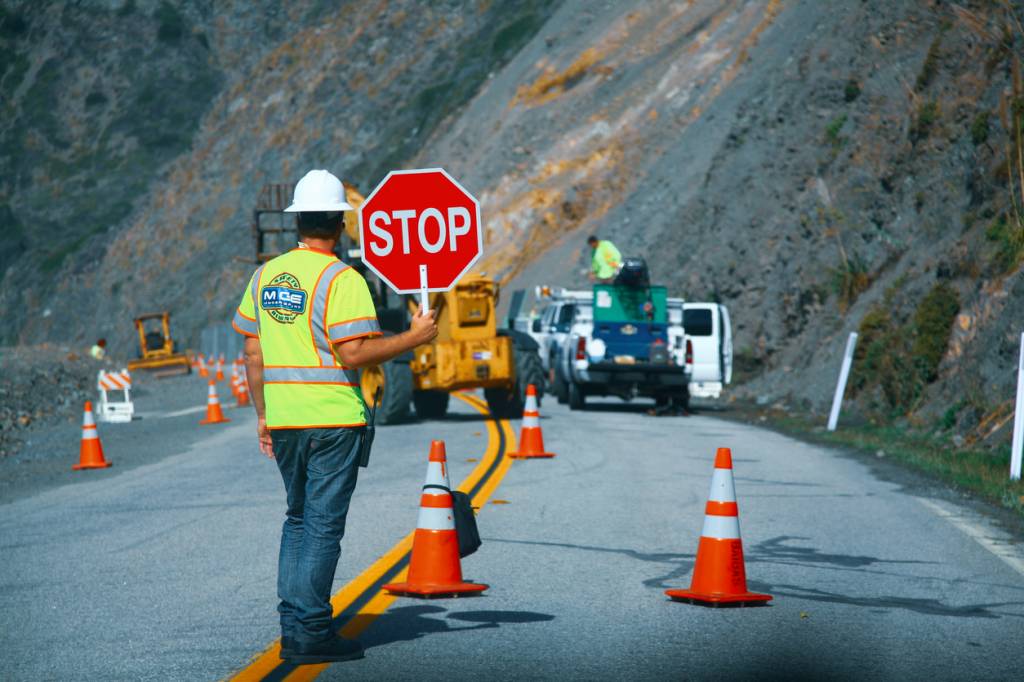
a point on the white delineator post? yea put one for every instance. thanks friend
(844, 374)
(424, 303)
(1018, 419)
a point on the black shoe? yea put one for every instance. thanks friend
(333, 650)
(287, 647)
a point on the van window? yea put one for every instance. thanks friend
(697, 322)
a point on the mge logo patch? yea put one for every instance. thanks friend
(283, 298)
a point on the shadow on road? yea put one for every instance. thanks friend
(927, 607)
(412, 622)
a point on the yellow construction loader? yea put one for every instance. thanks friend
(469, 352)
(156, 347)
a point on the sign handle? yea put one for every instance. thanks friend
(844, 374)
(424, 303)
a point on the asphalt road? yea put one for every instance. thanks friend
(167, 570)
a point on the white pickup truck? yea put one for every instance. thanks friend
(707, 327)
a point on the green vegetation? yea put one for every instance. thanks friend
(927, 114)
(930, 66)
(1008, 239)
(852, 90)
(933, 324)
(850, 280)
(172, 24)
(983, 472)
(833, 128)
(980, 128)
(900, 359)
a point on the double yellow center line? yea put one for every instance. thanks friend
(362, 600)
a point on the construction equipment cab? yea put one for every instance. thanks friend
(708, 329)
(156, 347)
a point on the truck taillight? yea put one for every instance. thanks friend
(581, 348)
(689, 352)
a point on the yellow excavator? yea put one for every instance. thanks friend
(156, 347)
(470, 350)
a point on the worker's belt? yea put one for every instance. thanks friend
(310, 375)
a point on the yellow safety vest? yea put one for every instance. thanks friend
(299, 305)
(606, 260)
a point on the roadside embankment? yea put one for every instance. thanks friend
(978, 472)
(39, 386)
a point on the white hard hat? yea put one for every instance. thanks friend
(319, 190)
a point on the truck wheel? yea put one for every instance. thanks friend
(395, 380)
(577, 399)
(430, 404)
(561, 389)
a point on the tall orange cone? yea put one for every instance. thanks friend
(214, 415)
(531, 440)
(203, 372)
(90, 455)
(435, 569)
(719, 577)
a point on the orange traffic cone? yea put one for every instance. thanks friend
(214, 415)
(90, 455)
(241, 392)
(531, 440)
(719, 577)
(203, 372)
(434, 569)
(220, 369)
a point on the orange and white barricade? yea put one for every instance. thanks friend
(111, 411)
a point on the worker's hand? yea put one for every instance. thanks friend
(423, 328)
(263, 433)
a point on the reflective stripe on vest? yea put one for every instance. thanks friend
(310, 375)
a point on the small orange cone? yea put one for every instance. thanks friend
(214, 415)
(90, 454)
(241, 391)
(435, 569)
(719, 577)
(220, 369)
(531, 440)
(203, 372)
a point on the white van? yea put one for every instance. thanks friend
(707, 327)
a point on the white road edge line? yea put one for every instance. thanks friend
(979, 530)
(176, 413)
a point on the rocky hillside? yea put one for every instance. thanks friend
(820, 166)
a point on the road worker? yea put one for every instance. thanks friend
(309, 324)
(605, 260)
(99, 350)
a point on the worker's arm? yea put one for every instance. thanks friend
(254, 377)
(369, 351)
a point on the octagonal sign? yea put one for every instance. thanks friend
(420, 230)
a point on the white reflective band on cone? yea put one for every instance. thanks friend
(531, 403)
(88, 420)
(432, 518)
(722, 487)
(721, 527)
(436, 475)
(531, 422)
(90, 434)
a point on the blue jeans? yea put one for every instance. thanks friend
(319, 468)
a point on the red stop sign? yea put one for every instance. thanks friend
(420, 218)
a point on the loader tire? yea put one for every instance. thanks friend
(508, 404)
(395, 378)
(431, 404)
